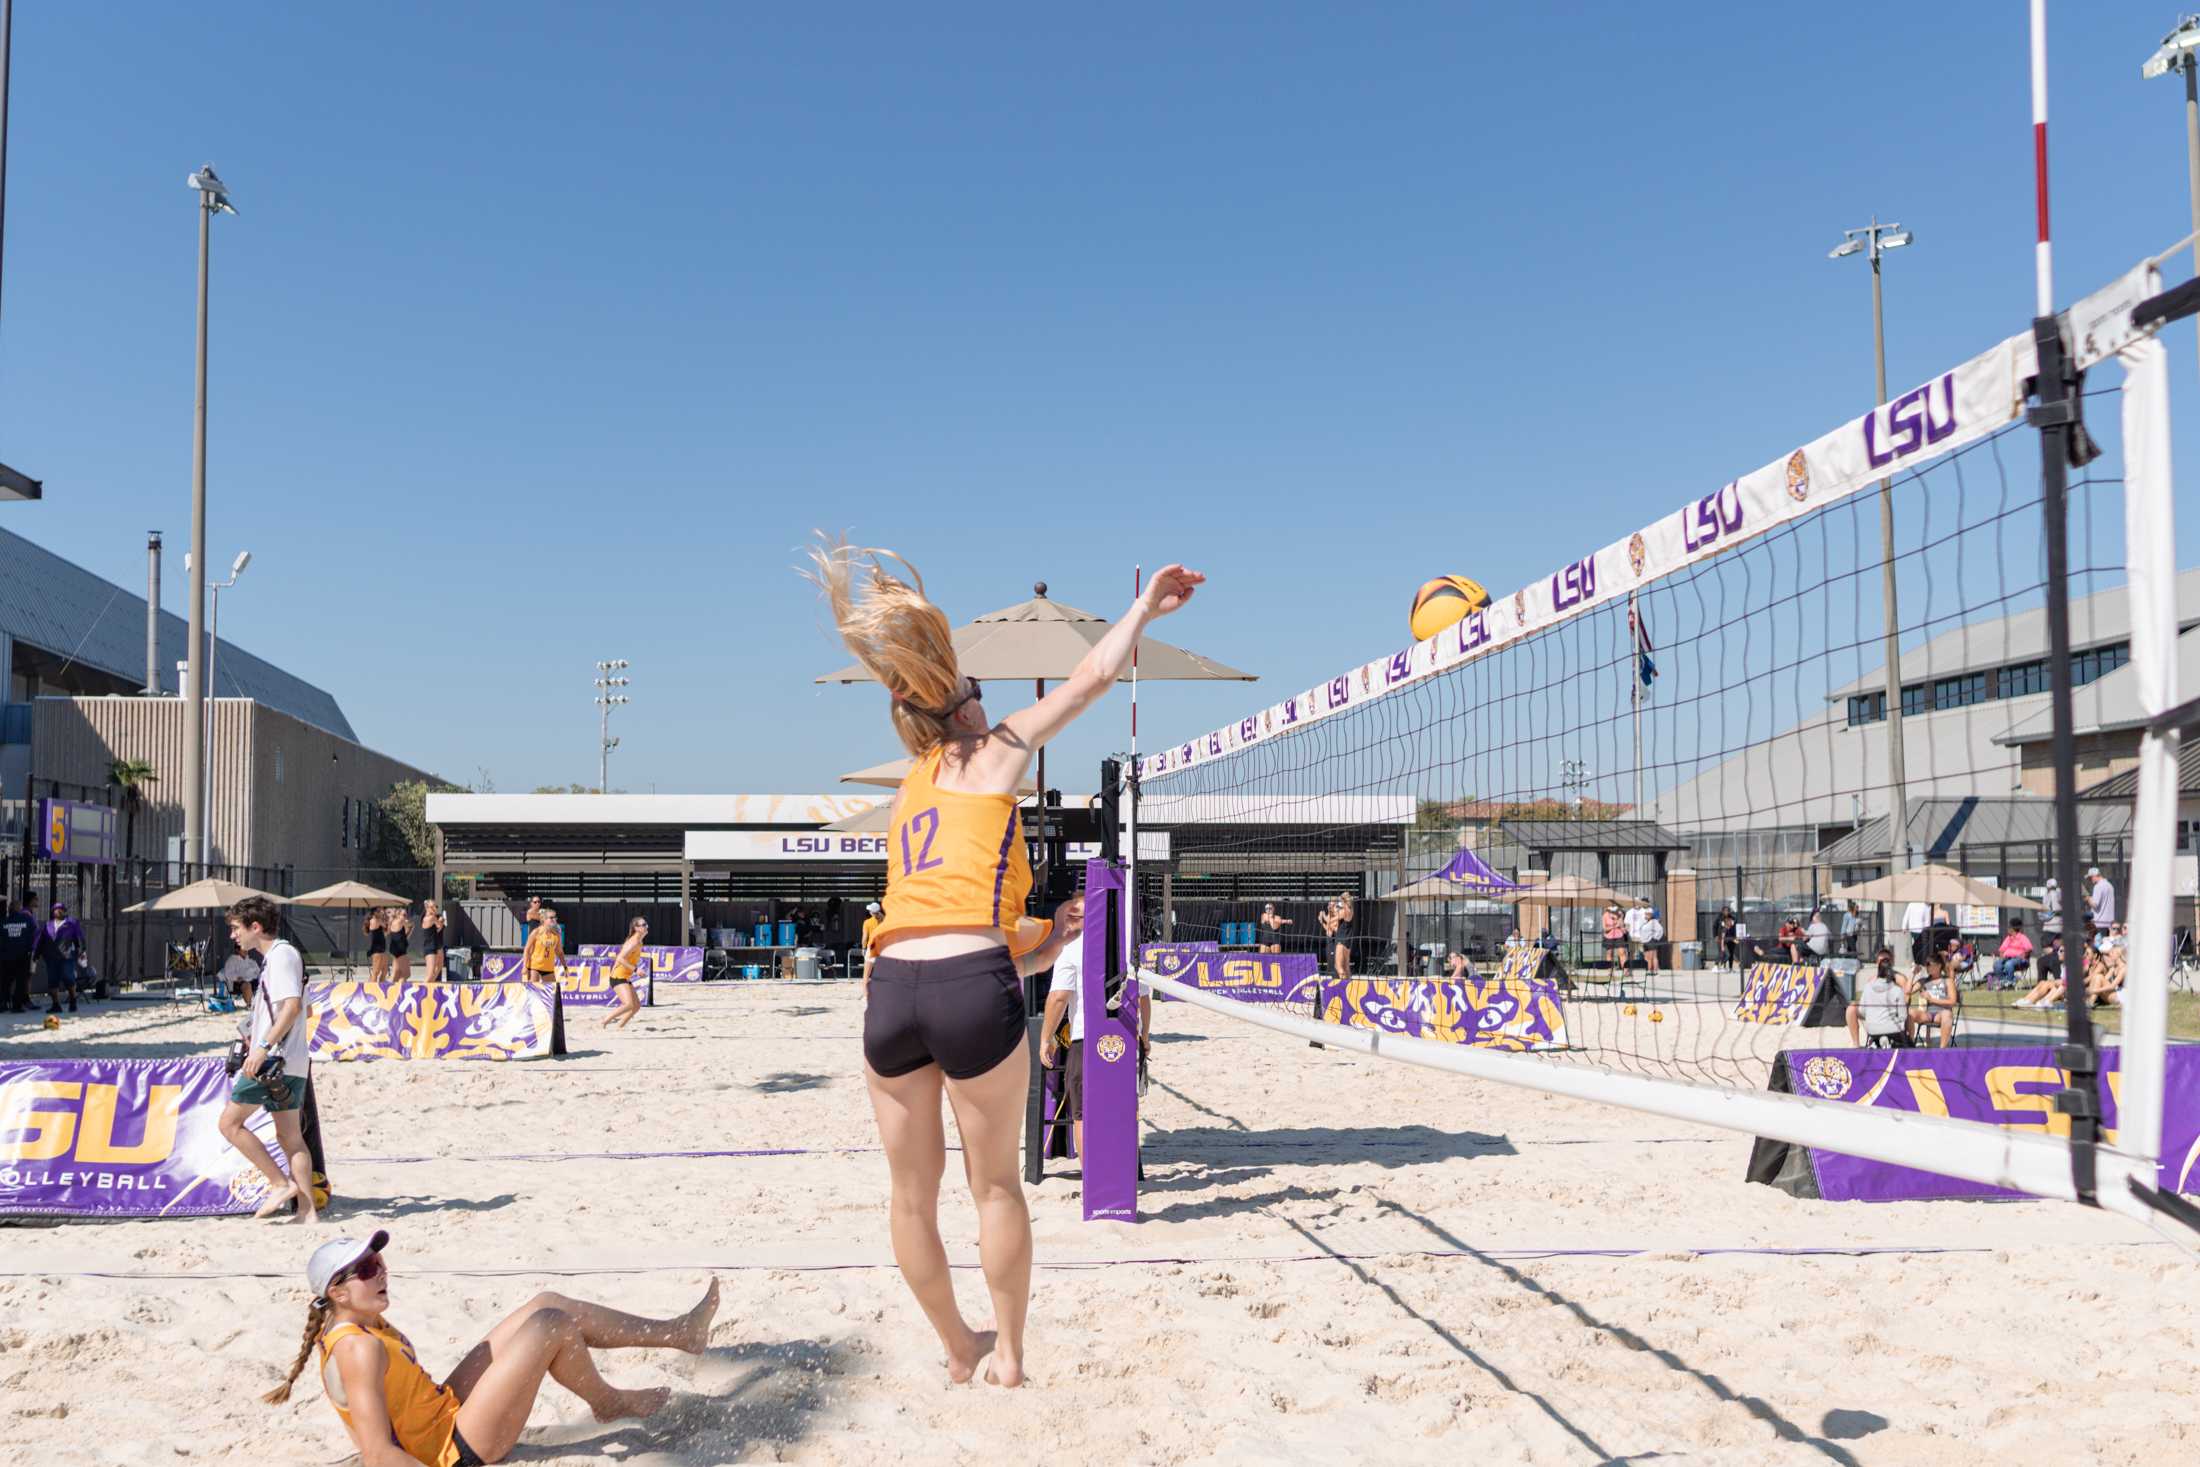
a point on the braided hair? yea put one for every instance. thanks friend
(317, 1314)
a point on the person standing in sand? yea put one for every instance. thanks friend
(277, 1028)
(378, 946)
(622, 975)
(432, 941)
(397, 1413)
(545, 945)
(946, 1009)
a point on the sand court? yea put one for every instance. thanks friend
(1343, 1259)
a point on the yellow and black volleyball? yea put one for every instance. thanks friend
(1444, 601)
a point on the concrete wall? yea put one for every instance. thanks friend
(2100, 756)
(279, 783)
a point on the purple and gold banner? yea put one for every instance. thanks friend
(2013, 1087)
(664, 964)
(1486, 1013)
(1776, 993)
(1246, 977)
(123, 1138)
(435, 1021)
(585, 981)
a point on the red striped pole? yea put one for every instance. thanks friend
(2043, 251)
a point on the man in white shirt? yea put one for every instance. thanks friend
(1917, 920)
(1066, 999)
(277, 1030)
(1818, 936)
(2100, 902)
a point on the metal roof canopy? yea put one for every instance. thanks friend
(1591, 835)
(16, 486)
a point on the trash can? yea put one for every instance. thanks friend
(1691, 956)
(805, 964)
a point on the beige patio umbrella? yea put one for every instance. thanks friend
(1043, 641)
(875, 821)
(205, 895)
(355, 895)
(1938, 885)
(889, 776)
(1564, 891)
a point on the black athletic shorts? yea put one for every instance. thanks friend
(467, 1456)
(964, 1014)
(1073, 1081)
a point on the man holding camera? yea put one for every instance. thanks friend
(274, 1071)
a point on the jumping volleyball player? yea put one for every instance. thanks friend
(946, 1004)
(622, 975)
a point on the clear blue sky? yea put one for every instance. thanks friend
(549, 331)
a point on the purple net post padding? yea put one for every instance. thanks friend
(2012, 1087)
(1110, 1063)
(123, 1138)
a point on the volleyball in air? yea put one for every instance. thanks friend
(1444, 601)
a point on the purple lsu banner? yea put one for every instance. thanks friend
(1776, 993)
(664, 964)
(1486, 1013)
(585, 981)
(123, 1138)
(1246, 977)
(2013, 1087)
(434, 1021)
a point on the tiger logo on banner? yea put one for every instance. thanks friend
(1776, 993)
(1501, 1012)
(432, 1021)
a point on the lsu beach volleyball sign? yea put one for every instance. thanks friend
(2014, 1088)
(123, 1138)
(662, 964)
(435, 1021)
(1246, 977)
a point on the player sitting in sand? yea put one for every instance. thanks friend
(622, 975)
(400, 1416)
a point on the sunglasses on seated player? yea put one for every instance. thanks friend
(365, 1271)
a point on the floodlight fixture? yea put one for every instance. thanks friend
(2177, 49)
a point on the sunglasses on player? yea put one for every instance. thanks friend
(365, 1271)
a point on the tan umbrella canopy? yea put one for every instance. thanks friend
(1943, 885)
(1043, 641)
(889, 776)
(206, 895)
(1565, 891)
(350, 894)
(874, 821)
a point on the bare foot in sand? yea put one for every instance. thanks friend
(276, 1201)
(636, 1404)
(694, 1332)
(963, 1364)
(1006, 1373)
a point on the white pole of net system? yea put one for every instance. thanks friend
(2043, 253)
(2028, 1161)
(2150, 553)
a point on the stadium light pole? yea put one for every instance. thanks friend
(608, 697)
(213, 688)
(213, 199)
(1875, 239)
(2176, 53)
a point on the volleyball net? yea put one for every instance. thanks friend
(1629, 831)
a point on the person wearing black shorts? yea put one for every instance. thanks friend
(400, 925)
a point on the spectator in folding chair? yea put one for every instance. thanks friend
(1818, 937)
(1933, 999)
(2014, 956)
(1791, 939)
(2050, 989)
(1880, 1013)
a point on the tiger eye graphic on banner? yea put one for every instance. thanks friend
(1509, 1011)
(1776, 993)
(434, 1021)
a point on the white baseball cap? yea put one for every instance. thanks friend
(873, 907)
(332, 1258)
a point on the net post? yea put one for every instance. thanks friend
(2057, 416)
(1110, 1159)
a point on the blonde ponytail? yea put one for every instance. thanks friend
(316, 1322)
(900, 637)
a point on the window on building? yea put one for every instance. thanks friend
(1867, 708)
(278, 763)
(2098, 663)
(2021, 679)
(1916, 700)
(1960, 691)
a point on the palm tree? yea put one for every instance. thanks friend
(132, 776)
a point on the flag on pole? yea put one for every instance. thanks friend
(1645, 668)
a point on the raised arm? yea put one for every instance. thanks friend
(1098, 670)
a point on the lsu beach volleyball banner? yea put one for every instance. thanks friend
(123, 1138)
(1246, 977)
(2013, 1087)
(1957, 408)
(585, 981)
(664, 964)
(1776, 993)
(1487, 1013)
(435, 1021)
